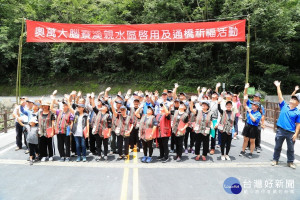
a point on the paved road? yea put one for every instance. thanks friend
(132, 179)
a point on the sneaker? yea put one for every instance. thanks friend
(51, 159)
(105, 158)
(186, 151)
(149, 160)
(144, 159)
(178, 159)
(91, 154)
(36, 159)
(175, 158)
(166, 160)
(84, 158)
(212, 152)
(171, 151)
(78, 159)
(250, 155)
(247, 148)
(111, 152)
(62, 159)
(159, 158)
(73, 155)
(291, 165)
(274, 162)
(27, 151)
(217, 146)
(31, 162)
(258, 149)
(234, 137)
(97, 159)
(17, 149)
(197, 158)
(223, 158)
(43, 159)
(242, 153)
(67, 159)
(227, 157)
(120, 158)
(204, 158)
(193, 151)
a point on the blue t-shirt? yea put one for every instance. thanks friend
(287, 117)
(146, 104)
(257, 115)
(249, 104)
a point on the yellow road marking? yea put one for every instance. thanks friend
(125, 184)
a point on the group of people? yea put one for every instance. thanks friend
(142, 120)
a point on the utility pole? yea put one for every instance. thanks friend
(248, 50)
(18, 81)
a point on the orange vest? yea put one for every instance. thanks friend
(164, 126)
(62, 122)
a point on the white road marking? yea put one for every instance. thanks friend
(175, 165)
(7, 149)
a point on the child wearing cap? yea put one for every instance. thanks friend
(32, 138)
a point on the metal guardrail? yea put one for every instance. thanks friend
(271, 114)
(6, 122)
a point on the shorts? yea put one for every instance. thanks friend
(250, 131)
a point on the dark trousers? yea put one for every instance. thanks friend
(173, 141)
(163, 147)
(62, 142)
(189, 132)
(73, 144)
(44, 145)
(92, 141)
(33, 149)
(99, 141)
(226, 140)
(147, 145)
(87, 144)
(281, 135)
(134, 139)
(113, 145)
(179, 145)
(201, 139)
(121, 140)
(25, 133)
(213, 140)
(19, 132)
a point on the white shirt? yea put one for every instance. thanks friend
(79, 129)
